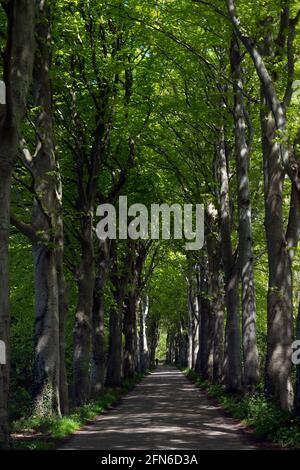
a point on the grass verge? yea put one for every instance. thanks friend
(44, 433)
(264, 416)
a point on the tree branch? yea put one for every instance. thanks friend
(26, 229)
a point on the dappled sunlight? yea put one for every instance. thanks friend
(180, 417)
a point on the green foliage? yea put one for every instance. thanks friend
(162, 346)
(22, 321)
(50, 429)
(255, 410)
(168, 276)
(175, 56)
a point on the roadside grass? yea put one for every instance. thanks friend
(44, 433)
(264, 416)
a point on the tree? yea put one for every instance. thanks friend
(245, 249)
(46, 234)
(17, 77)
(276, 154)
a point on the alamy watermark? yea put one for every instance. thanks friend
(296, 353)
(138, 223)
(2, 353)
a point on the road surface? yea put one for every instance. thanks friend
(165, 411)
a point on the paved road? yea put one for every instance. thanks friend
(164, 412)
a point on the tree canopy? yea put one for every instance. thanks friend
(165, 102)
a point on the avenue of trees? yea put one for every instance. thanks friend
(163, 101)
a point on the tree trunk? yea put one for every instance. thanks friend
(51, 295)
(280, 321)
(194, 306)
(273, 49)
(219, 308)
(191, 325)
(46, 371)
(88, 167)
(114, 375)
(98, 340)
(5, 179)
(205, 367)
(153, 335)
(63, 304)
(20, 52)
(170, 348)
(144, 352)
(130, 312)
(297, 394)
(245, 260)
(130, 325)
(137, 338)
(233, 352)
(196, 319)
(216, 295)
(278, 159)
(182, 346)
(83, 316)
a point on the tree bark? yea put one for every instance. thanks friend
(216, 294)
(130, 313)
(190, 327)
(83, 316)
(51, 297)
(218, 305)
(278, 159)
(4, 297)
(63, 304)
(280, 321)
(144, 351)
(196, 318)
(88, 165)
(130, 325)
(170, 347)
(18, 62)
(114, 376)
(153, 335)
(182, 345)
(98, 340)
(46, 333)
(245, 255)
(297, 394)
(137, 337)
(205, 362)
(233, 352)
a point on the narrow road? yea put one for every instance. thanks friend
(164, 412)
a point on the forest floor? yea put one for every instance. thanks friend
(165, 411)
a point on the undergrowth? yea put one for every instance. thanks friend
(256, 410)
(44, 432)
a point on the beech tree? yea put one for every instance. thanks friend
(17, 70)
(276, 155)
(46, 235)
